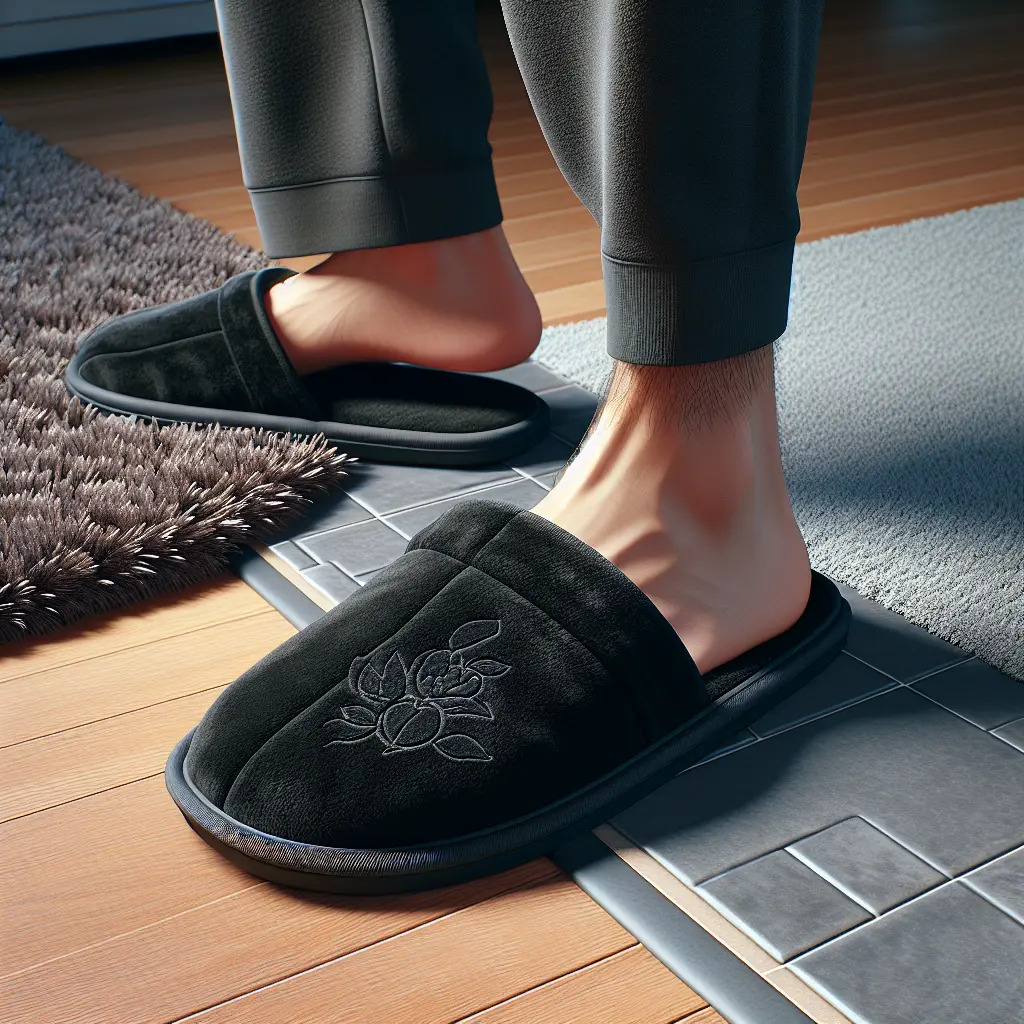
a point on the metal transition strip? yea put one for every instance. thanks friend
(299, 609)
(736, 991)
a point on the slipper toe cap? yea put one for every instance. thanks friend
(174, 353)
(442, 699)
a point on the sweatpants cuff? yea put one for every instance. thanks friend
(368, 213)
(697, 312)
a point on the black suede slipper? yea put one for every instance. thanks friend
(215, 358)
(497, 689)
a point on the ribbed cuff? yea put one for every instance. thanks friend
(697, 312)
(369, 213)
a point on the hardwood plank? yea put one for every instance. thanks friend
(114, 684)
(222, 160)
(78, 762)
(603, 993)
(105, 146)
(221, 600)
(538, 226)
(225, 948)
(874, 140)
(506, 165)
(970, 162)
(902, 205)
(528, 183)
(552, 201)
(447, 969)
(709, 1015)
(572, 301)
(74, 109)
(915, 91)
(823, 170)
(557, 248)
(171, 188)
(100, 867)
(898, 115)
(142, 158)
(585, 270)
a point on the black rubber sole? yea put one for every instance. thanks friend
(373, 872)
(376, 444)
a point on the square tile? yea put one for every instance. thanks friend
(385, 488)
(521, 492)
(1002, 883)
(357, 549)
(866, 864)
(844, 681)
(530, 375)
(949, 957)
(325, 514)
(332, 581)
(782, 904)
(570, 404)
(573, 431)
(888, 642)
(976, 691)
(742, 739)
(1012, 733)
(897, 760)
(550, 456)
(293, 555)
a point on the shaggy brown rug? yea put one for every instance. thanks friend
(99, 511)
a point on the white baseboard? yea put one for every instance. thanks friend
(20, 37)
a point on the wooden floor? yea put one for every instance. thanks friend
(111, 909)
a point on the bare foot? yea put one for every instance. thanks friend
(454, 304)
(691, 503)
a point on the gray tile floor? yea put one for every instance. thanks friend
(868, 831)
(351, 535)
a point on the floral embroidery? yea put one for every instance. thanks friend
(408, 708)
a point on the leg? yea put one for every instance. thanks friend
(362, 127)
(682, 128)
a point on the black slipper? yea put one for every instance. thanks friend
(215, 358)
(497, 689)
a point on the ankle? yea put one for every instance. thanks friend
(700, 438)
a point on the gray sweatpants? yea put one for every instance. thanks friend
(680, 124)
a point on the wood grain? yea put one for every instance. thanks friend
(601, 993)
(64, 698)
(242, 942)
(78, 762)
(447, 969)
(220, 600)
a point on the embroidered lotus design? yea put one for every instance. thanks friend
(425, 703)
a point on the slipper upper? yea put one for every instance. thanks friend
(215, 350)
(496, 667)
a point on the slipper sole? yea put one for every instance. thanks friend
(378, 444)
(408, 869)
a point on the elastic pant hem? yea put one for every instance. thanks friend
(697, 312)
(370, 213)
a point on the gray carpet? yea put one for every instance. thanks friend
(97, 511)
(901, 413)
